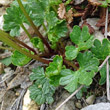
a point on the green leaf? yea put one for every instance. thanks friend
(55, 2)
(68, 1)
(37, 42)
(37, 74)
(108, 1)
(6, 61)
(14, 18)
(51, 19)
(41, 91)
(88, 66)
(103, 74)
(104, 3)
(81, 38)
(57, 32)
(38, 8)
(87, 61)
(54, 67)
(71, 52)
(80, 93)
(70, 79)
(101, 50)
(19, 59)
(54, 80)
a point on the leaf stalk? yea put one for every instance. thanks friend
(17, 47)
(23, 27)
(33, 26)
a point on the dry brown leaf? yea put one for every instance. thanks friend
(101, 22)
(78, 14)
(69, 16)
(89, 11)
(61, 11)
(94, 2)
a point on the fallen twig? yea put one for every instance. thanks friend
(107, 82)
(16, 103)
(107, 66)
(100, 67)
(70, 97)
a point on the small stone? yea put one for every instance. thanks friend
(101, 99)
(78, 105)
(5, 2)
(98, 35)
(99, 106)
(28, 104)
(17, 94)
(90, 99)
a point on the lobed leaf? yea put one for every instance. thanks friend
(57, 32)
(37, 43)
(103, 74)
(71, 52)
(14, 18)
(51, 19)
(6, 61)
(41, 91)
(54, 67)
(81, 38)
(88, 66)
(69, 79)
(19, 59)
(101, 50)
(38, 8)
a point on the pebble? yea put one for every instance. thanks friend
(28, 104)
(78, 105)
(99, 106)
(90, 99)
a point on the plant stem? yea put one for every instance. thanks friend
(33, 26)
(23, 27)
(11, 43)
(24, 45)
(6, 48)
(70, 64)
(18, 41)
(55, 9)
(44, 27)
